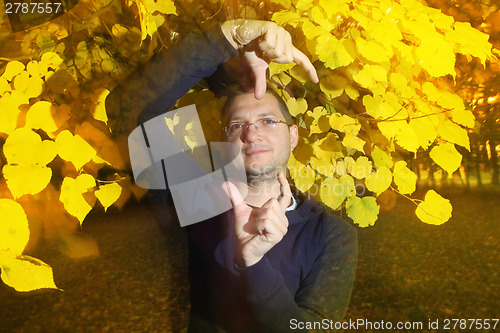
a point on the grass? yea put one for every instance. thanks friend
(407, 271)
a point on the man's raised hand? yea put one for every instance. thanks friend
(261, 43)
(257, 230)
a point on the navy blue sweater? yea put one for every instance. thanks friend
(306, 277)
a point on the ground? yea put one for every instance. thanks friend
(408, 271)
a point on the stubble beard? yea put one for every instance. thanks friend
(264, 175)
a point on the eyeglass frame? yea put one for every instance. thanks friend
(247, 124)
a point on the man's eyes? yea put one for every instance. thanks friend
(268, 121)
(236, 126)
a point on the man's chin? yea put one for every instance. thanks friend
(256, 172)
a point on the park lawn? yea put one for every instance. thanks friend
(407, 271)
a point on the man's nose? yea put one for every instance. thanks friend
(250, 133)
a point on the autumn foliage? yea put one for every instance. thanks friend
(386, 92)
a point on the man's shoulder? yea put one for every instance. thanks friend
(315, 212)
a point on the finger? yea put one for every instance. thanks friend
(268, 41)
(279, 46)
(286, 193)
(288, 51)
(260, 81)
(270, 220)
(234, 195)
(302, 60)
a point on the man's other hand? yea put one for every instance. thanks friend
(262, 42)
(257, 230)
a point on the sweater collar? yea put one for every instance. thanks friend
(307, 207)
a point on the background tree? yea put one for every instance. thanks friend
(389, 78)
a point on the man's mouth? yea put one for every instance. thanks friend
(252, 152)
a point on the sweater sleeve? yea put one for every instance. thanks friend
(155, 87)
(324, 293)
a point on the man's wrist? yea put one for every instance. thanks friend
(243, 263)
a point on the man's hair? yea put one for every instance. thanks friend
(281, 104)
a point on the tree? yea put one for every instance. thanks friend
(385, 96)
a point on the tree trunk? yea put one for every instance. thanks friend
(494, 162)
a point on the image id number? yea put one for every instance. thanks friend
(33, 7)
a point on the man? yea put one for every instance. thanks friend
(277, 261)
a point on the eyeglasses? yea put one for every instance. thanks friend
(262, 125)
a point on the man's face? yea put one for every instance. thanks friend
(264, 151)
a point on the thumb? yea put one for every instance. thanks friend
(234, 195)
(260, 81)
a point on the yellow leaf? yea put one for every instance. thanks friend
(4, 86)
(463, 117)
(99, 108)
(26, 179)
(283, 79)
(404, 178)
(434, 209)
(371, 50)
(407, 138)
(191, 137)
(108, 194)
(369, 75)
(105, 147)
(325, 167)
(299, 74)
(352, 92)
(452, 132)
(46, 116)
(328, 149)
(72, 190)
(333, 52)
(436, 57)
(317, 15)
(332, 193)
(381, 158)
(363, 211)
(344, 123)
(311, 30)
(296, 106)
(351, 141)
(166, 7)
(320, 123)
(392, 128)
(333, 8)
(425, 129)
(26, 273)
(470, 41)
(51, 59)
(379, 181)
(348, 183)
(12, 69)
(14, 230)
(26, 147)
(398, 81)
(276, 68)
(303, 175)
(446, 156)
(74, 149)
(29, 86)
(332, 85)
(284, 17)
(172, 122)
(36, 69)
(119, 30)
(361, 168)
(9, 107)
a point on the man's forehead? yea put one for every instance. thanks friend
(245, 106)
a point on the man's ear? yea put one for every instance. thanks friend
(294, 136)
